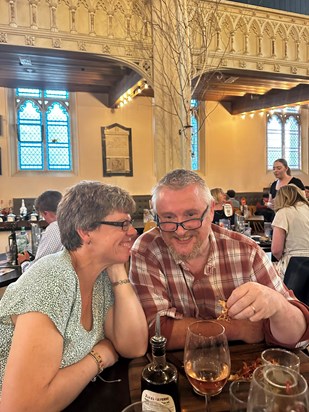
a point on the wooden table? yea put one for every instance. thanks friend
(190, 402)
(114, 397)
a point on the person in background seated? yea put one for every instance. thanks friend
(307, 192)
(183, 269)
(75, 310)
(46, 205)
(290, 226)
(282, 173)
(231, 198)
(263, 210)
(220, 208)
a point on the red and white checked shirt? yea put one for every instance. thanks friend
(166, 286)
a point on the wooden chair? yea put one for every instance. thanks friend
(296, 277)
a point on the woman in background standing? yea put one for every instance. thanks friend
(282, 173)
(290, 226)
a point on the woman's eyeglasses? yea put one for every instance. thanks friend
(125, 224)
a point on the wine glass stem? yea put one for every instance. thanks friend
(207, 405)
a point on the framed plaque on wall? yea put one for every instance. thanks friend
(117, 150)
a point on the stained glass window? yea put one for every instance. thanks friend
(194, 135)
(284, 137)
(43, 129)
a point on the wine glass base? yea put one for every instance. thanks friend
(203, 394)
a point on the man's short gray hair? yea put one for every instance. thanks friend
(179, 179)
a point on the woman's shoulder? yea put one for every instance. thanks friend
(297, 182)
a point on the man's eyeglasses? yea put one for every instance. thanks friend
(125, 224)
(189, 224)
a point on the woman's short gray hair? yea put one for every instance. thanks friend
(178, 179)
(87, 203)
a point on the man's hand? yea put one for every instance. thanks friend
(23, 257)
(255, 302)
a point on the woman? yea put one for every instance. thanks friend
(222, 209)
(73, 312)
(290, 226)
(282, 173)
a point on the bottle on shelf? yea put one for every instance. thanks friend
(159, 381)
(11, 217)
(23, 210)
(34, 217)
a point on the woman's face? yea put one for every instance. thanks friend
(280, 171)
(111, 244)
(221, 197)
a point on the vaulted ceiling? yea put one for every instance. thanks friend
(238, 90)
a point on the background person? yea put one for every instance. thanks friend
(262, 209)
(283, 176)
(75, 310)
(182, 268)
(290, 226)
(231, 198)
(219, 206)
(307, 192)
(46, 205)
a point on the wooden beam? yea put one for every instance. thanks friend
(275, 98)
(125, 84)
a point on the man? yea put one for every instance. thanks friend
(182, 269)
(231, 199)
(50, 242)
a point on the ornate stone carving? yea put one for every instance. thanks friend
(56, 43)
(3, 38)
(29, 40)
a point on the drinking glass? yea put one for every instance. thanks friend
(146, 406)
(207, 359)
(281, 357)
(9, 254)
(239, 391)
(277, 388)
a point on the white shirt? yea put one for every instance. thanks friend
(50, 242)
(294, 220)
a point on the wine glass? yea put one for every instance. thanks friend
(277, 388)
(207, 359)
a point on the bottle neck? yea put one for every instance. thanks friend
(158, 346)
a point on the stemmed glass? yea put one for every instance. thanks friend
(277, 388)
(207, 359)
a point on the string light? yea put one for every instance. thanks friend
(134, 91)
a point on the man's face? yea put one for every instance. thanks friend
(181, 205)
(307, 193)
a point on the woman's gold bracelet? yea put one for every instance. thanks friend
(97, 357)
(121, 282)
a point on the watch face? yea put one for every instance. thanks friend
(228, 210)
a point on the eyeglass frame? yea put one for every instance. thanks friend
(118, 224)
(200, 219)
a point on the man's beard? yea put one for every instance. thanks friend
(188, 256)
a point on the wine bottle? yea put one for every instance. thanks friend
(159, 380)
(23, 210)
